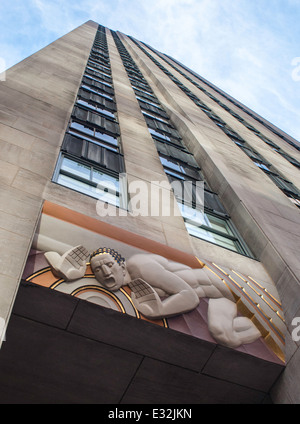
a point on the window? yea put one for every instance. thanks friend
(96, 107)
(139, 83)
(82, 128)
(162, 127)
(154, 117)
(287, 187)
(99, 66)
(114, 148)
(96, 91)
(98, 86)
(159, 135)
(97, 76)
(172, 166)
(77, 128)
(261, 165)
(148, 102)
(90, 180)
(94, 78)
(203, 213)
(94, 67)
(295, 201)
(98, 54)
(214, 229)
(145, 94)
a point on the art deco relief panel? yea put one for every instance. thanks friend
(115, 269)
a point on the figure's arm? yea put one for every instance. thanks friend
(206, 283)
(203, 280)
(148, 302)
(180, 297)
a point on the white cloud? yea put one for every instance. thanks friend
(245, 48)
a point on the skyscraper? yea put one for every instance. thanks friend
(110, 146)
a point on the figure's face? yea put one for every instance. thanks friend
(108, 272)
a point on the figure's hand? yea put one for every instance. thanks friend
(71, 265)
(145, 299)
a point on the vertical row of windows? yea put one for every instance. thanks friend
(282, 183)
(247, 111)
(206, 219)
(266, 140)
(91, 159)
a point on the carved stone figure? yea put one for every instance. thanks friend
(161, 288)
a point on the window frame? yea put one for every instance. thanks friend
(93, 138)
(120, 194)
(153, 116)
(96, 107)
(97, 91)
(240, 245)
(181, 165)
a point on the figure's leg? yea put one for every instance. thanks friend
(70, 266)
(226, 327)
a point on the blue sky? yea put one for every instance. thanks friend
(249, 48)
